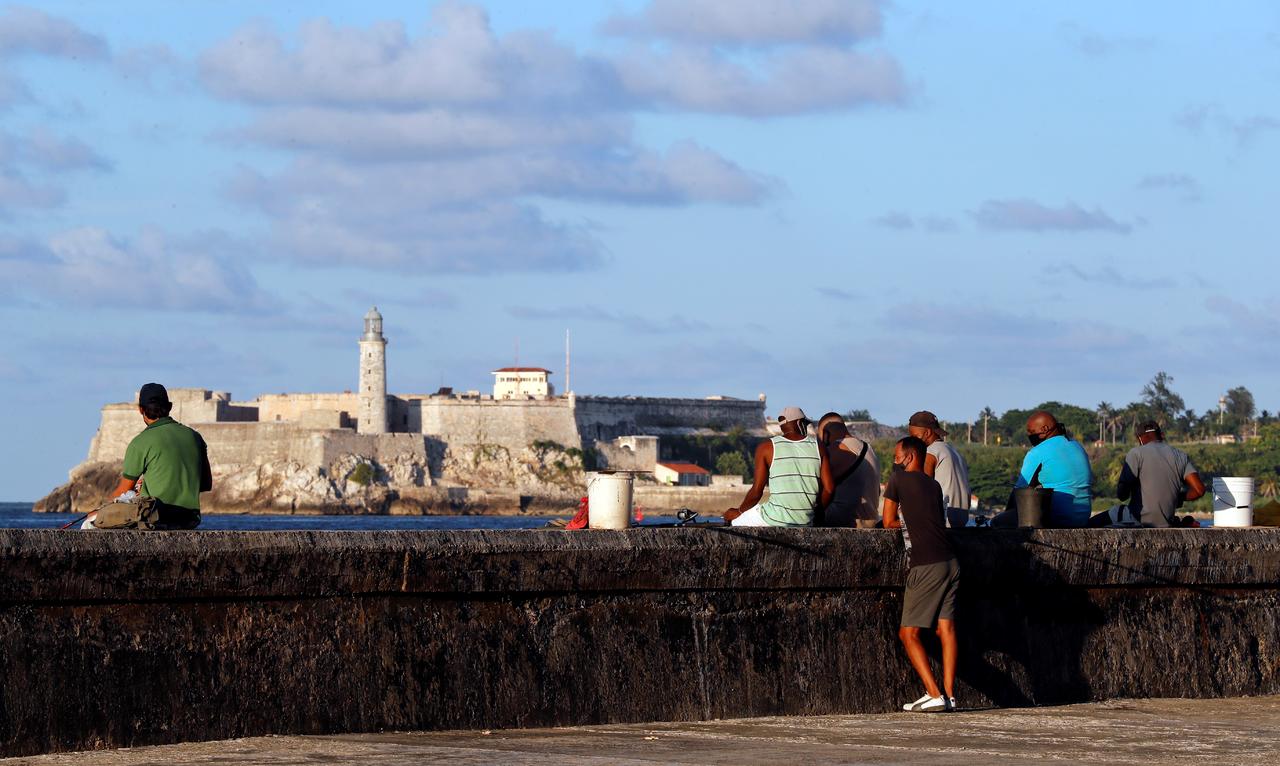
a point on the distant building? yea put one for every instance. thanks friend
(522, 383)
(682, 474)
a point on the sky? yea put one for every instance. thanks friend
(837, 203)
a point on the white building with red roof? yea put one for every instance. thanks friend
(681, 474)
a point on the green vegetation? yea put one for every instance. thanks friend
(731, 464)
(363, 474)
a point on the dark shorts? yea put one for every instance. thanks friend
(931, 594)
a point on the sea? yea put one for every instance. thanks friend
(20, 516)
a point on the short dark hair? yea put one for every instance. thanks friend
(156, 410)
(915, 445)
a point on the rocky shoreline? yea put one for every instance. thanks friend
(277, 491)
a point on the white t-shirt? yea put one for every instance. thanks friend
(952, 473)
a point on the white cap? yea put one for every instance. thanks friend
(790, 414)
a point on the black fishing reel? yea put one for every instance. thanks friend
(685, 516)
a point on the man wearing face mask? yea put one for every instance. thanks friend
(1059, 464)
(913, 501)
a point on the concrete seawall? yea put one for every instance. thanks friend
(122, 639)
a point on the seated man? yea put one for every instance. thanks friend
(855, 469)
(172, 462)
(913, 501)
(798, 476)
(1153, 477)
(1057, 463)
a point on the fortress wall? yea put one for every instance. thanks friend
(601, 417)
(259, 443)
(117, 427)
(512, 424)
(289, 407)
(126, 639)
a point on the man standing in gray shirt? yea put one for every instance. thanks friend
(945, 465)
(1153, 476)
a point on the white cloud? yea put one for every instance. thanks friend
(781, 82)
(433, 150)
(88, 266)
(29, 31)
(1029, 215)
(753, 22)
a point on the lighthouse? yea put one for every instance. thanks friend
(372, 418)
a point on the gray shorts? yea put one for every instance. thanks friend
(931, 594)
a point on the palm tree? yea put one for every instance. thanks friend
(986, 414)
(1105, 411)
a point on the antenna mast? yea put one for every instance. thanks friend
(567, 387)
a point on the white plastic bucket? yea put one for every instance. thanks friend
(1233, 501)
(609, 500)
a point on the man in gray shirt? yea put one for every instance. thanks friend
(945, 465)
(1153, 476)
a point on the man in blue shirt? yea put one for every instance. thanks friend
(1062, 466)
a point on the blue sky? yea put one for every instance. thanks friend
(837, 203)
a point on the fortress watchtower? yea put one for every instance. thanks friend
(373, 376)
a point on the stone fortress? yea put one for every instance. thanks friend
(521, 447)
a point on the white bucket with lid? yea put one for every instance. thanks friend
(1233, 501)
(609, 500)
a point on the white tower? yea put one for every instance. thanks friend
(373, 376)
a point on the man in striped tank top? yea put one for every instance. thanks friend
(797, 474)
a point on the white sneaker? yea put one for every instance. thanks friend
(951, 704)
(927, 704)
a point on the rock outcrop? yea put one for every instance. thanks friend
(473, 479)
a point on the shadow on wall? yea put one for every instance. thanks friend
(1023, 631)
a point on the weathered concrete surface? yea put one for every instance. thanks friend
(1156, 732)
(121, 639)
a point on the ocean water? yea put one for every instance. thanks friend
(20, 516)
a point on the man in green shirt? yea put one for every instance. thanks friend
(172, 462)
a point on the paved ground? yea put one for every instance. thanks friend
(1200, 732)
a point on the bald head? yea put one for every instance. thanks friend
(1042, 425)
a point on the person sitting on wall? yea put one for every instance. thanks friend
(168, 464)
(945, 465)
(1058, 463)
(913, 502)
(855, 469)
(797, 473)
(1156, 479)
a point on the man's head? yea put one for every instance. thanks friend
(924, 426)
(1149, 431)
(153, 402)
(831, 428)
(1042, 425)
(793, 422)
(909, 453)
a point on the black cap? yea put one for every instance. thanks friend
(926, 419)
(1147, 427)
(152, 393)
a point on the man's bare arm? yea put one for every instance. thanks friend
(759, 480)
(891, 520)
(930, 465)
(1195, 486)
(124, 485)
(826, 483)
